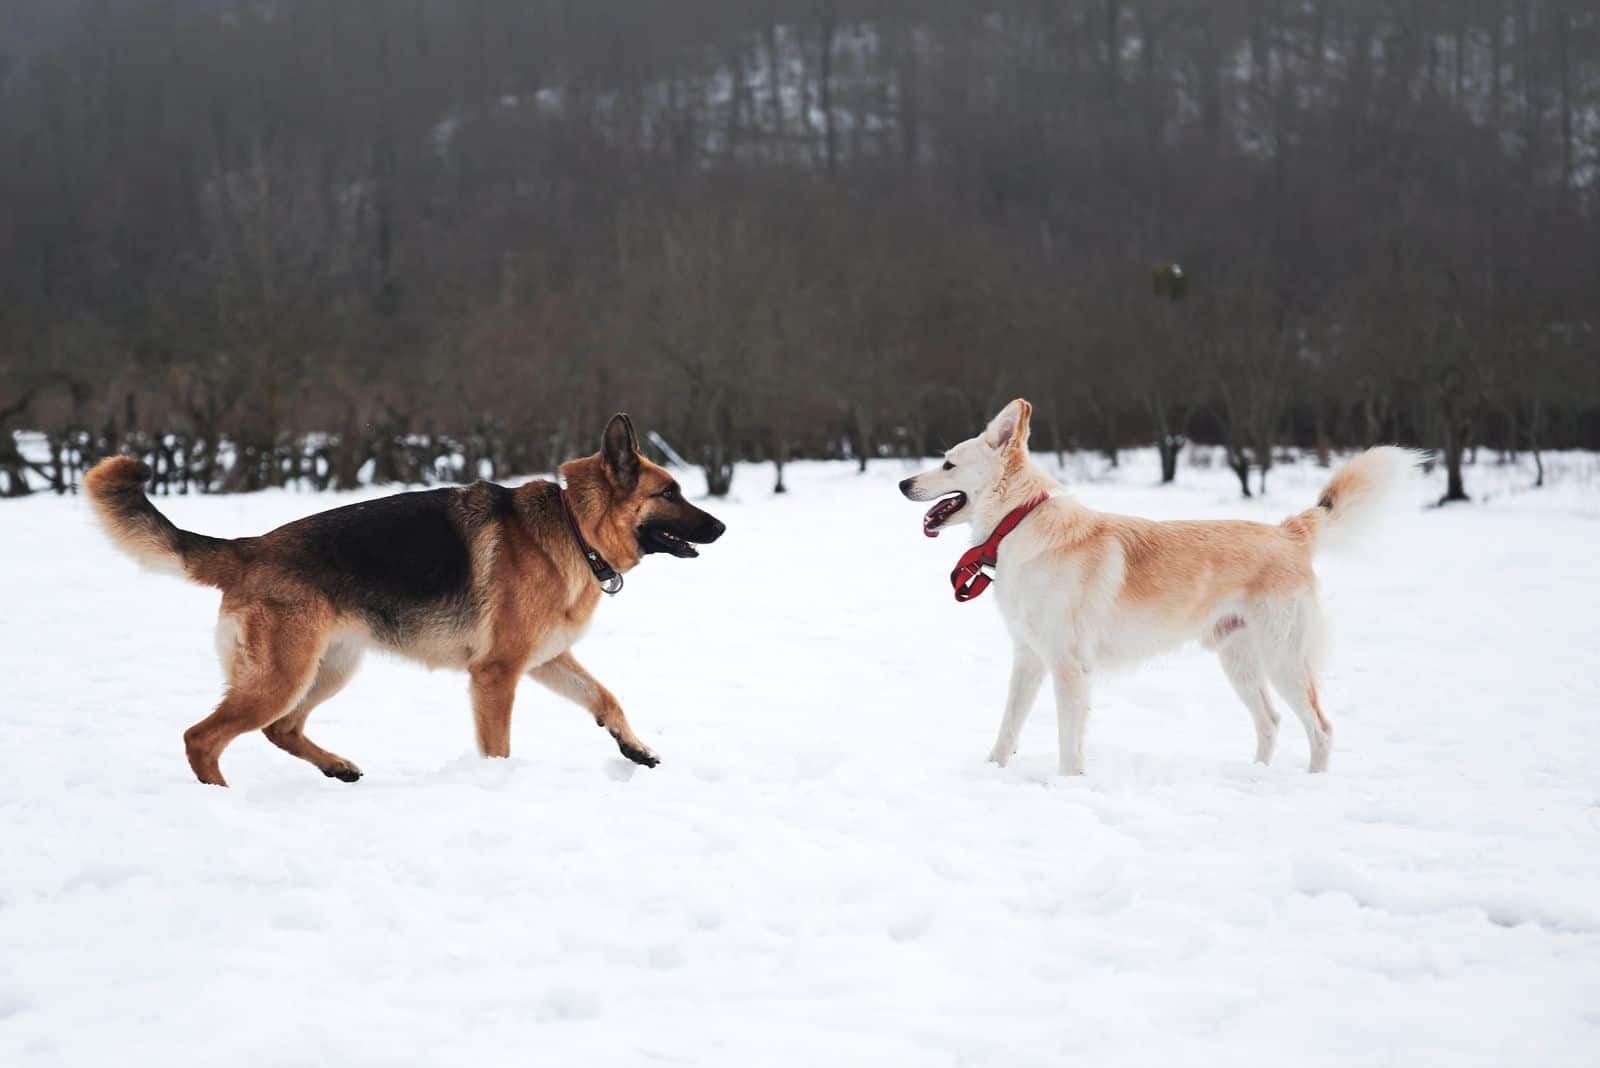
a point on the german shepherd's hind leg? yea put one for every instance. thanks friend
(271, 657)
(566, 677)
(1027, 674)
(338, 664)
(1242, 665)
(494, 687)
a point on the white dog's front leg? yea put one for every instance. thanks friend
(1072, 716)
(1027, 672)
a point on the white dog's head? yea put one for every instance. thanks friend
(972, 469)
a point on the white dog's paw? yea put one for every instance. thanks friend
(1001, 757)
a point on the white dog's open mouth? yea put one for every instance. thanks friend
(940, 513)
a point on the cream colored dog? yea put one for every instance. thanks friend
(1082, 590)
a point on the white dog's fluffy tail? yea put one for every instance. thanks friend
(1355, 498)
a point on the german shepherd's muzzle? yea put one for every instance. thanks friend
(676, 527)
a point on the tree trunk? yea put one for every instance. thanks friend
(780, 457)
(862, 426)
(825, 102)
(718, 469)
(1536, 441)
(780, 126)
(1169, 446)
(1453, 452)
(1239, 464)
(13, 470)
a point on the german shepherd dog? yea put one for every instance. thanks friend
(498, 581)
(1082, 590)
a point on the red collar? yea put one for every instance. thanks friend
(969, 578)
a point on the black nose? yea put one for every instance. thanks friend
(714, 529)
(905, 485)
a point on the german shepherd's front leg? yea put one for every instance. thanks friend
(494, 685)
(565, 676)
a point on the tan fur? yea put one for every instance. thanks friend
(1186, 568)
(103, 485)
(286, 648)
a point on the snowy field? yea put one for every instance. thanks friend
(823, 869)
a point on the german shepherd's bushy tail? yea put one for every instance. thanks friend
(115, 487)
(1355, 499)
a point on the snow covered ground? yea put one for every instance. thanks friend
(823, 868)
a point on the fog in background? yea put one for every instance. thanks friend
(314, 241)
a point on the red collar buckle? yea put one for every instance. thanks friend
(971, 575)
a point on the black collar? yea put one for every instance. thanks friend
(610, 581)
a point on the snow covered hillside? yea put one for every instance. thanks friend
(823, 869)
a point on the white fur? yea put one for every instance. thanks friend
(1377, 476)
(1063, 588)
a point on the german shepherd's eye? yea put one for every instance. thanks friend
(671, 493)
(948, 466)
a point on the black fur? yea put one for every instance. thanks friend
(638, 756)
(399, 561)
(620, 446)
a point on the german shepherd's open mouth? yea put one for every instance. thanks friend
(654, 538)
(940, 513)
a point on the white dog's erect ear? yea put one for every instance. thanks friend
(1009, 429)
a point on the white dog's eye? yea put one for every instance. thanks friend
(948, 466)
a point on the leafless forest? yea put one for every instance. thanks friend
(309, 241)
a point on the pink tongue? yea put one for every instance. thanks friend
(936, 514)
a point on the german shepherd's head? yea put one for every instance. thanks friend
(644, 508)
(972, 470)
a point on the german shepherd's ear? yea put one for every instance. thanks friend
(621, 449)
(1009, 429)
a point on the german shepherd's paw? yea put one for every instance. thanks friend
(344, 772)
(637, 753)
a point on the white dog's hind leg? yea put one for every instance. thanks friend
(1072, 715)
(1298, 685)
(1027, 672)
(1244, 671)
